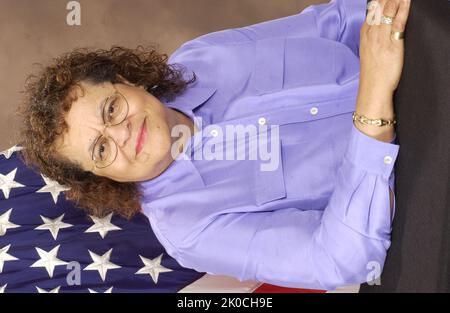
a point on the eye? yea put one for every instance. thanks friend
(111, 108)
(100, 151)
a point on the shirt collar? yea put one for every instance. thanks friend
(190, 99)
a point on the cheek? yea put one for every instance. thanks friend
(159, 141)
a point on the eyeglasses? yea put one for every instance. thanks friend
(114, 112)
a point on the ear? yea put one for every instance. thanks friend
(126, 82)
(122, 80)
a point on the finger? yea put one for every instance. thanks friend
(373, 21)
(390, 10)
(382, 3)
(402, 16)
(399, 24)
(372, 8)
(375, 10)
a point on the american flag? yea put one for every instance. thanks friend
(47, 245)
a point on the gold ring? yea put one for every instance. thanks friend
(398, 35)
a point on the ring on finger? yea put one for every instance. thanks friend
(397, 35)
(387, 20)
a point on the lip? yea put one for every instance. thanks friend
(142, 137)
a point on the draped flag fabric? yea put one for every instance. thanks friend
(48, 245)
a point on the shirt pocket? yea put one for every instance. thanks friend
(269, 184)
(268, 70)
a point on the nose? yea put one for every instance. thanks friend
(119, 133)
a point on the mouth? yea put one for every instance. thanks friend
(142, 137)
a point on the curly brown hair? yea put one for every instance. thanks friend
(48, 97)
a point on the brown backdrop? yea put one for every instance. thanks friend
(35, 31)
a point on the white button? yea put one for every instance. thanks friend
(214, 133)
(387, 159)
(262, 121)
(314, 110)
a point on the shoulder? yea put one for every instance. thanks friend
(176, 222)
(225, 67)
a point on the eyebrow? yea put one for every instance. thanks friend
(100, 114)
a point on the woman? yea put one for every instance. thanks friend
(308, 199)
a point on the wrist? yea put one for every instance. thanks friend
(377, 88)
(375, 104)
(383, 133)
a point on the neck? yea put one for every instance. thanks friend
(176, 117)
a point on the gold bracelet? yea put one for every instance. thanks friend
(376, 122)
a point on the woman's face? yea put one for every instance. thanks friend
(86, 124)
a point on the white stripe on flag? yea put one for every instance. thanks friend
(216, 283)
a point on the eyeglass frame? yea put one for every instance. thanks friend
(106, 125)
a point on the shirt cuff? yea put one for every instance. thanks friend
(371, 154)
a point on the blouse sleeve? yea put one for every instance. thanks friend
(344, 244)
(338, 20)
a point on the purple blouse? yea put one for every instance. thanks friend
(316, 213)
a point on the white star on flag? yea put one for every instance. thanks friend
(102, 225)
(10, 151)
(53, 225)
(53, 187)
(7, 183)
(106, 291)
(5, 224)
(4, 256)
(3, 288)
(101, 264)
(153, 267)
(40, 290)
(48, 260)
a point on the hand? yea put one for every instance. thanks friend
(381, 60)
(381, 56)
